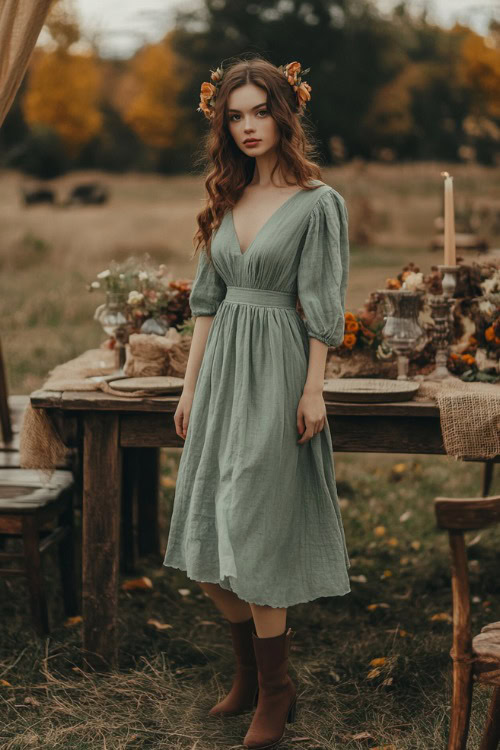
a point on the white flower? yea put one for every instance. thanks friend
(135, 297)
(95, 285)
(413, 281)
(484, 363)
(143, 276)
(487, 307)
(491, 285)
(104, 274)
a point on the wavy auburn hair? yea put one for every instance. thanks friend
(229, 169)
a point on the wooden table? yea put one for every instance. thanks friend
(104, 428)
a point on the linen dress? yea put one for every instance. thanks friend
(254, 511)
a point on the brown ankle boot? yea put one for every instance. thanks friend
(243, 694)
(277, 697)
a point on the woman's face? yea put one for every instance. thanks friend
(248, 117)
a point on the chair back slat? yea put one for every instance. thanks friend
(467, 513)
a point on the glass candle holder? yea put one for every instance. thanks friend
(402, 330)
(111, 315)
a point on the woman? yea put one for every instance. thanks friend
(256, 520)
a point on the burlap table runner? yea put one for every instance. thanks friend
(469, 412)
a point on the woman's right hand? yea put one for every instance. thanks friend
(182, 413)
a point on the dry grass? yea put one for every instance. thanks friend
(167, 680)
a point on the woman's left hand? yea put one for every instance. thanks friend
(311, 415)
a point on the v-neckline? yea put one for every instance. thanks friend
(238, 245)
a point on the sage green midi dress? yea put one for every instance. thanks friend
(254, 511)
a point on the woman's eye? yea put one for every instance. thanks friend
(260, 112)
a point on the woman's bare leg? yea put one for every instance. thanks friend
(232, 607)
(269, 621)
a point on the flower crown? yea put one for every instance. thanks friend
(292, 73)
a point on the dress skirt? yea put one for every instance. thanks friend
(254, 511)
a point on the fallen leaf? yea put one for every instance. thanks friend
(379, 530)
(159, 625)
(371, 607)
(70, 621)
(362, 736)
(137, 584)
(386, 574)
(404, 560)
(4, 683)
(358, 579)
(405, 516)
(31, 701)
(184, 592)
(416, 544)
(393, 541)
(442, 617)
(207, 622)
(372, 673)
(378, 661)
(388, 681)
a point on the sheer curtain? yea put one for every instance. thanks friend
(20, 24)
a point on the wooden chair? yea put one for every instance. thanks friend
(27, 510)
(475, 659)
(140, 511)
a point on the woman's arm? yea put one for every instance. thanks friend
(198, 343)
(311, 411)
(201, 329)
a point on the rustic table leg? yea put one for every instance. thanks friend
(148, 479)
(102, 472)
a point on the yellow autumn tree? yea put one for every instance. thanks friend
(63, 88)
(153, 84)
(479, 70)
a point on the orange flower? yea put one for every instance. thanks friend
(351, 326)
(207, 90)
(292, 71)
(468, 358)
(349, 316)
(303, 92)
(489, 333)
(349, 340)
(393, 284)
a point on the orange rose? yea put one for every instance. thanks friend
(349, 340)
(207, 90)
(349, 316)
(489, 333)
(497, 341)
(303, 92)
(351, 326)
(393, 284)
(292, 70)
(468, 358)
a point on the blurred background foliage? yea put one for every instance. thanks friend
(392, 87)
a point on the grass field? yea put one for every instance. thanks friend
(168, 678)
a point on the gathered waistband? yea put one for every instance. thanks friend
(266, 297)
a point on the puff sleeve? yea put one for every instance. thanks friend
(324, 269)
(208, 288)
